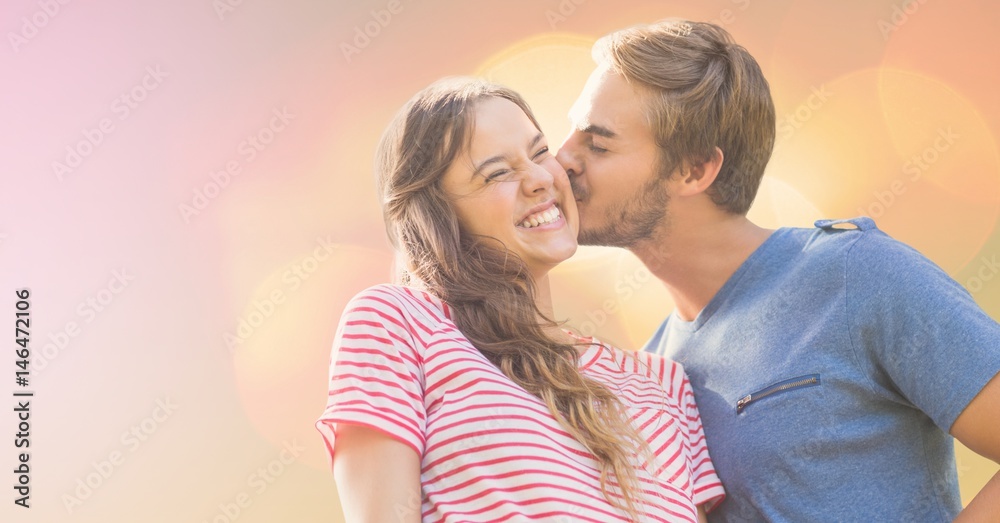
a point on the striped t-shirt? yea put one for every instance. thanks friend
(489, 450)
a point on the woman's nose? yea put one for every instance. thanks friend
(538, 178)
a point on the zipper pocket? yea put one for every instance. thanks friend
(809, 380)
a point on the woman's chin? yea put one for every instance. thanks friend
(543, 264)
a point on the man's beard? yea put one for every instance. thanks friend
(634, 219)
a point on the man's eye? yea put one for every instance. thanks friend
(594, 147)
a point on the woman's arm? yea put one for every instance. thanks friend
(378, 477)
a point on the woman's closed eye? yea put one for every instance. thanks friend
(541, 153)
(495, 175)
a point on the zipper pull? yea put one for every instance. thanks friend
(743, 403)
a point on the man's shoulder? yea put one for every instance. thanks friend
(850, 240)
(871, 254)
(834, 236)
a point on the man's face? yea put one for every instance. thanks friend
(611, 159)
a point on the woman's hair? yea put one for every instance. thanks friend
(489, 289)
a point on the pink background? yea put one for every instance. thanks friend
(268, 256)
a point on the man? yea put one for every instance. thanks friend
(833, 365)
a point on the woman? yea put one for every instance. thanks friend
(457, 397)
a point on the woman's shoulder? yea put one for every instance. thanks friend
(658, 368)
(400, 302)
(397, 295)
(391, 290)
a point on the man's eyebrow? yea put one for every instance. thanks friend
(599, 131)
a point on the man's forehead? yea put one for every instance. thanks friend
(584, 103)
(607, 101)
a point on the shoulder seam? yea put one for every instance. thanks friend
(847, 314)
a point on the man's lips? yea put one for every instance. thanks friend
(579, 193)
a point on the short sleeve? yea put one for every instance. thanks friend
(925, 337)
(376, 377)
(707, 488)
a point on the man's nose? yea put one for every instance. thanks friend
(568, 155)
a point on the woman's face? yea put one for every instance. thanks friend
(508, 186)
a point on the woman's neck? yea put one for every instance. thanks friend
(543, 300)
(543, 295)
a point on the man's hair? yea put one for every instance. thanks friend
(702, 91)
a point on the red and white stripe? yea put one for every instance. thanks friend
(489, 450)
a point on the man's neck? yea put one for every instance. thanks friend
(694, 262)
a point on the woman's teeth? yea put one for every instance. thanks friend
(540, 218)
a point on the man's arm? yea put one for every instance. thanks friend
(977, 428)
(378, 477)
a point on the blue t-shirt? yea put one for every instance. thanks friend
(828, 371)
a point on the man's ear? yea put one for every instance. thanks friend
(697, 178)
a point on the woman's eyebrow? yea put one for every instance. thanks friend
(492, 159)
(502, 157)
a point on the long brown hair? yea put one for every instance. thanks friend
(487, 286)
